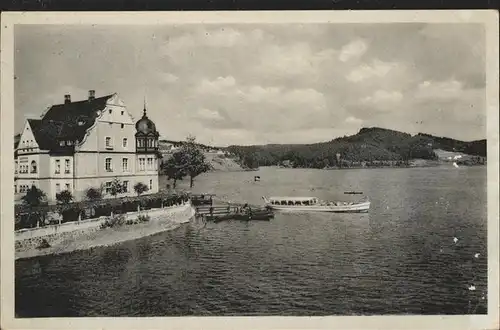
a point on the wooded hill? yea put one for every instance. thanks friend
(368, 145)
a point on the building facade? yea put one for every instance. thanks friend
(87, 144)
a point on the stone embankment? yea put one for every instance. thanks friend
(82, 235)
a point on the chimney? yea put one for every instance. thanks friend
(91, 94)
(67, 98)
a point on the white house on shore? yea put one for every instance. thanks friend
(84, 144)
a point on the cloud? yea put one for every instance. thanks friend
(439, 89)
(264, 82)
(168, 78)
(353, 121)
(220, 37)
(223, 37)
(259, 108)
(293, 59)
(352, 50)
(217, 86)
(208, 114)
(366, 71)
(382, 97)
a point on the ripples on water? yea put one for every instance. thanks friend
(398, 259)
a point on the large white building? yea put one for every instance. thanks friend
(84, 144)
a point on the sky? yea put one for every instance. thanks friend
(264, 83)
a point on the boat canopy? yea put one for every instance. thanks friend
(293, 200)
(290, 198)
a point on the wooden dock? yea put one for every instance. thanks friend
(222, 212)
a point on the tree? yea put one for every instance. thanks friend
(34, 197)
(173, 168)
(64, 197)
(93, 194)
(193, 160)
(140, 188)
(250, 161)
(116, 187)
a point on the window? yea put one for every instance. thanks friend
(108, 187)
(33, 167)
(108, 166)
(125, 186)
(109, 144)
(15, 167)
(58, 166)
(123, 112)
(110, 111)
(58, 188)
(66, 166)
(150, 184)
(141, 164)
(150, 163)
(125, 164)
(62, 143)
(125, 142)
(15, 189)
(67, 187)
(122, 126)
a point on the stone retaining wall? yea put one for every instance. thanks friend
(26, 239)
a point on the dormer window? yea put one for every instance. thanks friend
(62, 143)
(81, 122)
(123, 112)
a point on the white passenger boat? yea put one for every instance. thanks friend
(313, 204)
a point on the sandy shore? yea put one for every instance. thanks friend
(105, 237)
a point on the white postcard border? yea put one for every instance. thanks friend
(8, 20)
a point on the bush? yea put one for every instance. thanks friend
(64, 197)
(115, 221)
(93, 194)
(70, 214)
(143, 218)
(140, 188)
(43, 244)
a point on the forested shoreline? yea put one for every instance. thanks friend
(369, 147)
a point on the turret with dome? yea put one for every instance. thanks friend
(146, 137)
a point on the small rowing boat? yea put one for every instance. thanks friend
(313, 204)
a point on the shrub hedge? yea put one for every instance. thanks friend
(71, 212)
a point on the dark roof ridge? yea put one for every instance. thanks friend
(97, 99)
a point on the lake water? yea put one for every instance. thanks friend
(400, 258)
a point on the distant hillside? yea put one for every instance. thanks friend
(368, 145)
(177, 144)
(218, 162)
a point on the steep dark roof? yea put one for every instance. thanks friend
(70, 112)
(66, 122)
(46, 132)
